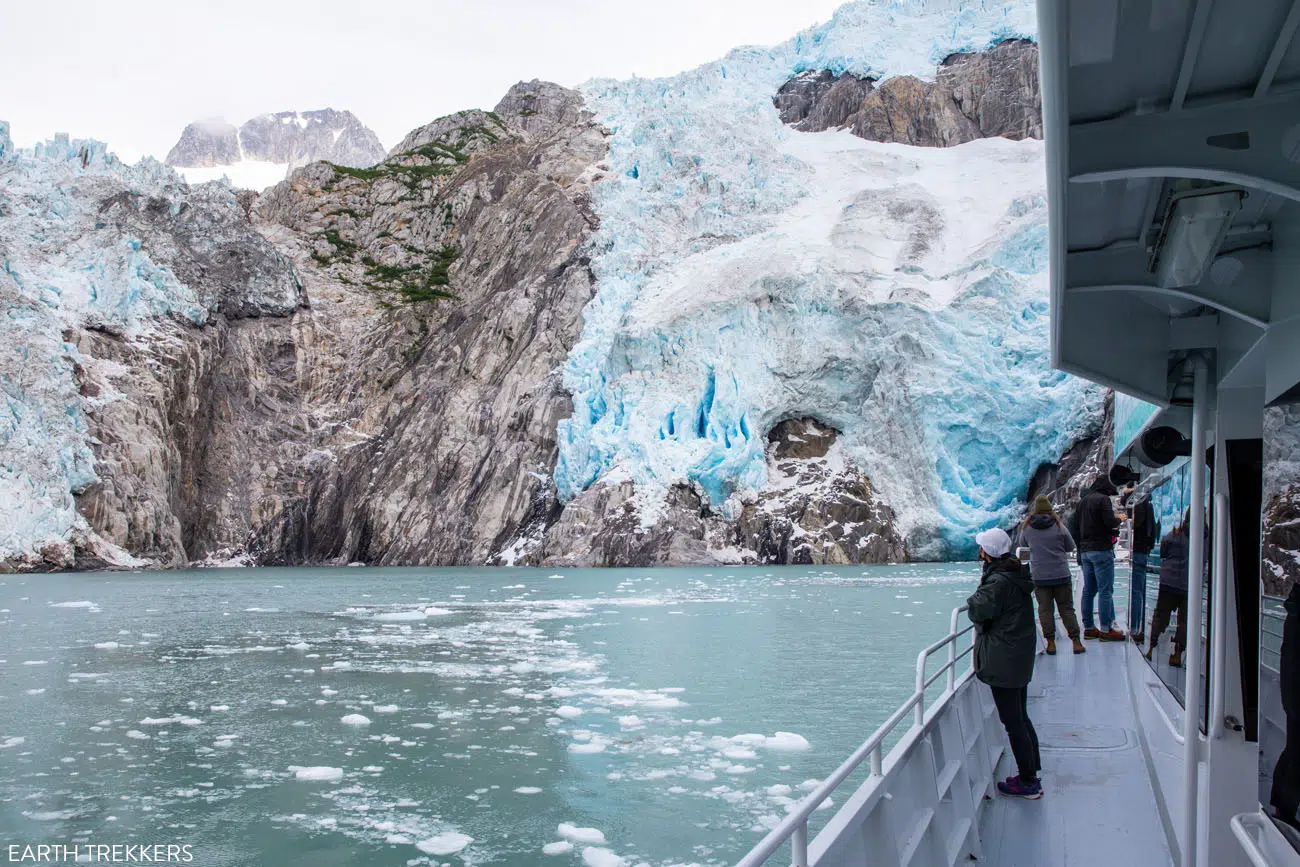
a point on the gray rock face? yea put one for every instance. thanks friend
(206, 143)
(817, 509)
(436, 423)
(978, 95)
(295, 138)
(818, 99)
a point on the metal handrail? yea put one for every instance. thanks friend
(794, 827)
(1242, 825)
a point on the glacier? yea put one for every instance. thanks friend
(748, 273)
(67, 265)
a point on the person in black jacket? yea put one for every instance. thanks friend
(1146, 530)
(1002, 609)
(1172, 598)
(1098, 528)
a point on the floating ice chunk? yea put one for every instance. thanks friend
(787, 741)
(34, 691)
(780, 789)
(739, 769)
(566, 711)
(12, 742)
(593, 857)
(446, 843)
(597, 744)
(560, 847)
(385, 708)
(631, 721)
(434, 611)
(298, 645)
(80, 604)
(528, 790)
(355, 719)
(809, 785)
(580, 835)
(136, 734)
(219, 707)
(318, 774)
(279, 702)
(107, 645)
(399, 616)
(169, 720)
(739, 753)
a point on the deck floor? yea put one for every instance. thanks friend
(1098, 805)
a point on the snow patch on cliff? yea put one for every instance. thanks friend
(748, 273)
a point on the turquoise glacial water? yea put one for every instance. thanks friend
(446, 716)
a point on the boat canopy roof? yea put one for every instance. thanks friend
(1173, 150)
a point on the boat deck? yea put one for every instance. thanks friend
(1098, 804)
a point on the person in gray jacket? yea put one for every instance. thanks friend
(1050, 546)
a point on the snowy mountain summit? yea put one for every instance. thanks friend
(265, 149)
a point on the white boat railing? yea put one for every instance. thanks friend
(794, 828)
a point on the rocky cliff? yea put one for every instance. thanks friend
(974, 95)
(582, 328)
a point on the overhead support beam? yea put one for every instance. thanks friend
(1245, 294)
(1245, 141)
(1191, 49)
(1280, 47)
(1179, 294)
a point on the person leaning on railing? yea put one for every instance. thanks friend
(1002, 609)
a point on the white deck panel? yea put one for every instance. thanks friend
(1098, 804)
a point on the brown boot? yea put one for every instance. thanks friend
(1078, 645)
(1051, 647)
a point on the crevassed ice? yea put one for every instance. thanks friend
(57, 270)
(748, 273)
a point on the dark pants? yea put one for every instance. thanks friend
(1013, 710)
(1137, 593)
(1285, 796)
(1051, 597)
(1168, 601)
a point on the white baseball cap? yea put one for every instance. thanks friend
(994, 542)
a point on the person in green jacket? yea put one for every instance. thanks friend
(1002, 609)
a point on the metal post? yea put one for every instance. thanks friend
(799, 846)
(952, 651)
(919, 713)
(1192, 654)
(877, 761)
(1219, 631)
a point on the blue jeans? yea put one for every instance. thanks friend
(1137, 594)
(1099, 580)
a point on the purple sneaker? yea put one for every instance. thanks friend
(1012, 787)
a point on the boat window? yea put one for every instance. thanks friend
(1166, 606)
(1279, 623)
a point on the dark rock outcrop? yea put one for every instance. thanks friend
(819, 99)
(1281, 519)
(816, 509)
(977, 95)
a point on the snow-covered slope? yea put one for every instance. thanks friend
(749, 273)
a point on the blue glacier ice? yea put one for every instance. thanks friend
(747, 273)
(61, 268)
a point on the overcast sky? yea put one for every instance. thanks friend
(134, 72)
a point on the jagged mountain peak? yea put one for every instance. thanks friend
(264, 149)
